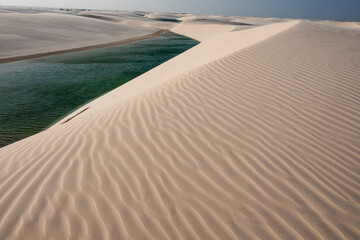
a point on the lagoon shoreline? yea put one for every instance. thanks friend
(102, 45)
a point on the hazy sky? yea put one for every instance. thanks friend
(314, 9)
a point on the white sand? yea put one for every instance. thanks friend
(343, 24)
(202, 32)
(249, 135)
(215, 48)
(24, 34)
(131, 18)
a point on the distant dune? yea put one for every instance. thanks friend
(343, 24)
(252, 134)
(28, 33)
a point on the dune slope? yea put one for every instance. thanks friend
(259, 144)
(24, 34)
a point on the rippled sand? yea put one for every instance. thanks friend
(260, 142)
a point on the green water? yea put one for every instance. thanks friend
(36, 93)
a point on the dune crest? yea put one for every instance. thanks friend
(200, 32)
(219, 46)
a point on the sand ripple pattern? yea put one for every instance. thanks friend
(262, 144)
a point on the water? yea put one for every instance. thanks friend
(36, 93)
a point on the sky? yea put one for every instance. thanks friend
(343, 10)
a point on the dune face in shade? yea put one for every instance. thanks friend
(37, 92)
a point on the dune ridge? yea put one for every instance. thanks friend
(217, 45)
(260, 143)
(201, 33)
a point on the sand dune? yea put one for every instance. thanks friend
(136, 19)
(170, 17)
(259, 140)
(33, 32)
(78, 49)
(24, 33)
(343, 24)
(214, 48)
(201, 32)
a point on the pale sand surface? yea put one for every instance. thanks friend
(77, 49)
(201, 32)
(27, 33)
(214, 48)
(33, 32)
(259, 139)
(343, 24)
(134, 18)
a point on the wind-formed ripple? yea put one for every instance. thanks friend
(36, 93)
